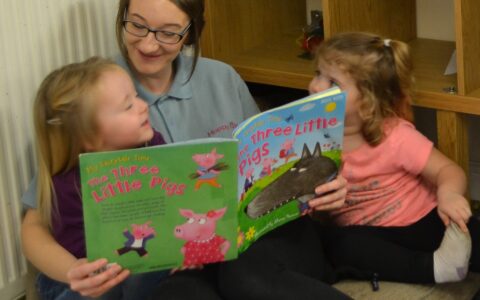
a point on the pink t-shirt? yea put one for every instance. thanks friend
(384, 183)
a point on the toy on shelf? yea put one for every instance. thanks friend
(312, 35)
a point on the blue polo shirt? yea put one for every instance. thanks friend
(211, 104)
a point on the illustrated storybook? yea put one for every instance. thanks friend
(161, 207)
(284, 153)
(208, 200)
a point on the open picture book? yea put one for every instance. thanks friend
(207, 200)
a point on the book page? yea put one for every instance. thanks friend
(161, 207)
(284, 153)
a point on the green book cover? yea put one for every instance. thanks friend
(161, 207)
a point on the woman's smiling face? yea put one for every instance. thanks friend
(148, 56)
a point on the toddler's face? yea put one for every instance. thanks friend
(122, 117)
(326, 76)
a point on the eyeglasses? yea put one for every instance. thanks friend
(162, 36)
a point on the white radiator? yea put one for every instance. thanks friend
(36, 36)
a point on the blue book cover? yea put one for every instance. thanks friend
(283, 154)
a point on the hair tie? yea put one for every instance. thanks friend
(386, 42)
(54, 121)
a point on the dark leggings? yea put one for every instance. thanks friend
(287, 263)
(403, 254)
(189, 284)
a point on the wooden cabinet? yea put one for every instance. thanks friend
(258, 38)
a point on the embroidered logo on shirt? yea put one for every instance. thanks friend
(224, 127)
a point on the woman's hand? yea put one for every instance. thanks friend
(331, 195)
(454, 207)
(89, 278)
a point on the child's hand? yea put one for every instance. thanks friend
(454, 207)
(84, 279)
(331, 195)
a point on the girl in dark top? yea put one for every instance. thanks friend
(82, 107)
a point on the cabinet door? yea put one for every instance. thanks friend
(467, 14)
(393, 18)
(259, 39)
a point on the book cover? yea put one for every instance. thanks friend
(284, 153)
(161, 207)
(208, 200)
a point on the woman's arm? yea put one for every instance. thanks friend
(43, 251)
(451, 184)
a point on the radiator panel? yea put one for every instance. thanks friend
(36, 37)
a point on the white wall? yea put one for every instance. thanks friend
(436, 19)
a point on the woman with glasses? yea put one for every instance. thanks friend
(189, 97)
(192, 97)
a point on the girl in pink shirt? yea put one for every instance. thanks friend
(405, 217)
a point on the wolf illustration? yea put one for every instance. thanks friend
(298, 183)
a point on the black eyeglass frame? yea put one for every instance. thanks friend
(180, 35)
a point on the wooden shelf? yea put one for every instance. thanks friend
(276, 62)
(430, 58)
(258, 38)
(447, 102)
(475, 94)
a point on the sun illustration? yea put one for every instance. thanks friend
(330, 107)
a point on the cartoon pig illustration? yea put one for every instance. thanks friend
(208, 169)
(286, 150)
(202, 244)
(137, 239)
(267, 163)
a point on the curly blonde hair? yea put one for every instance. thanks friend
(382, 70)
